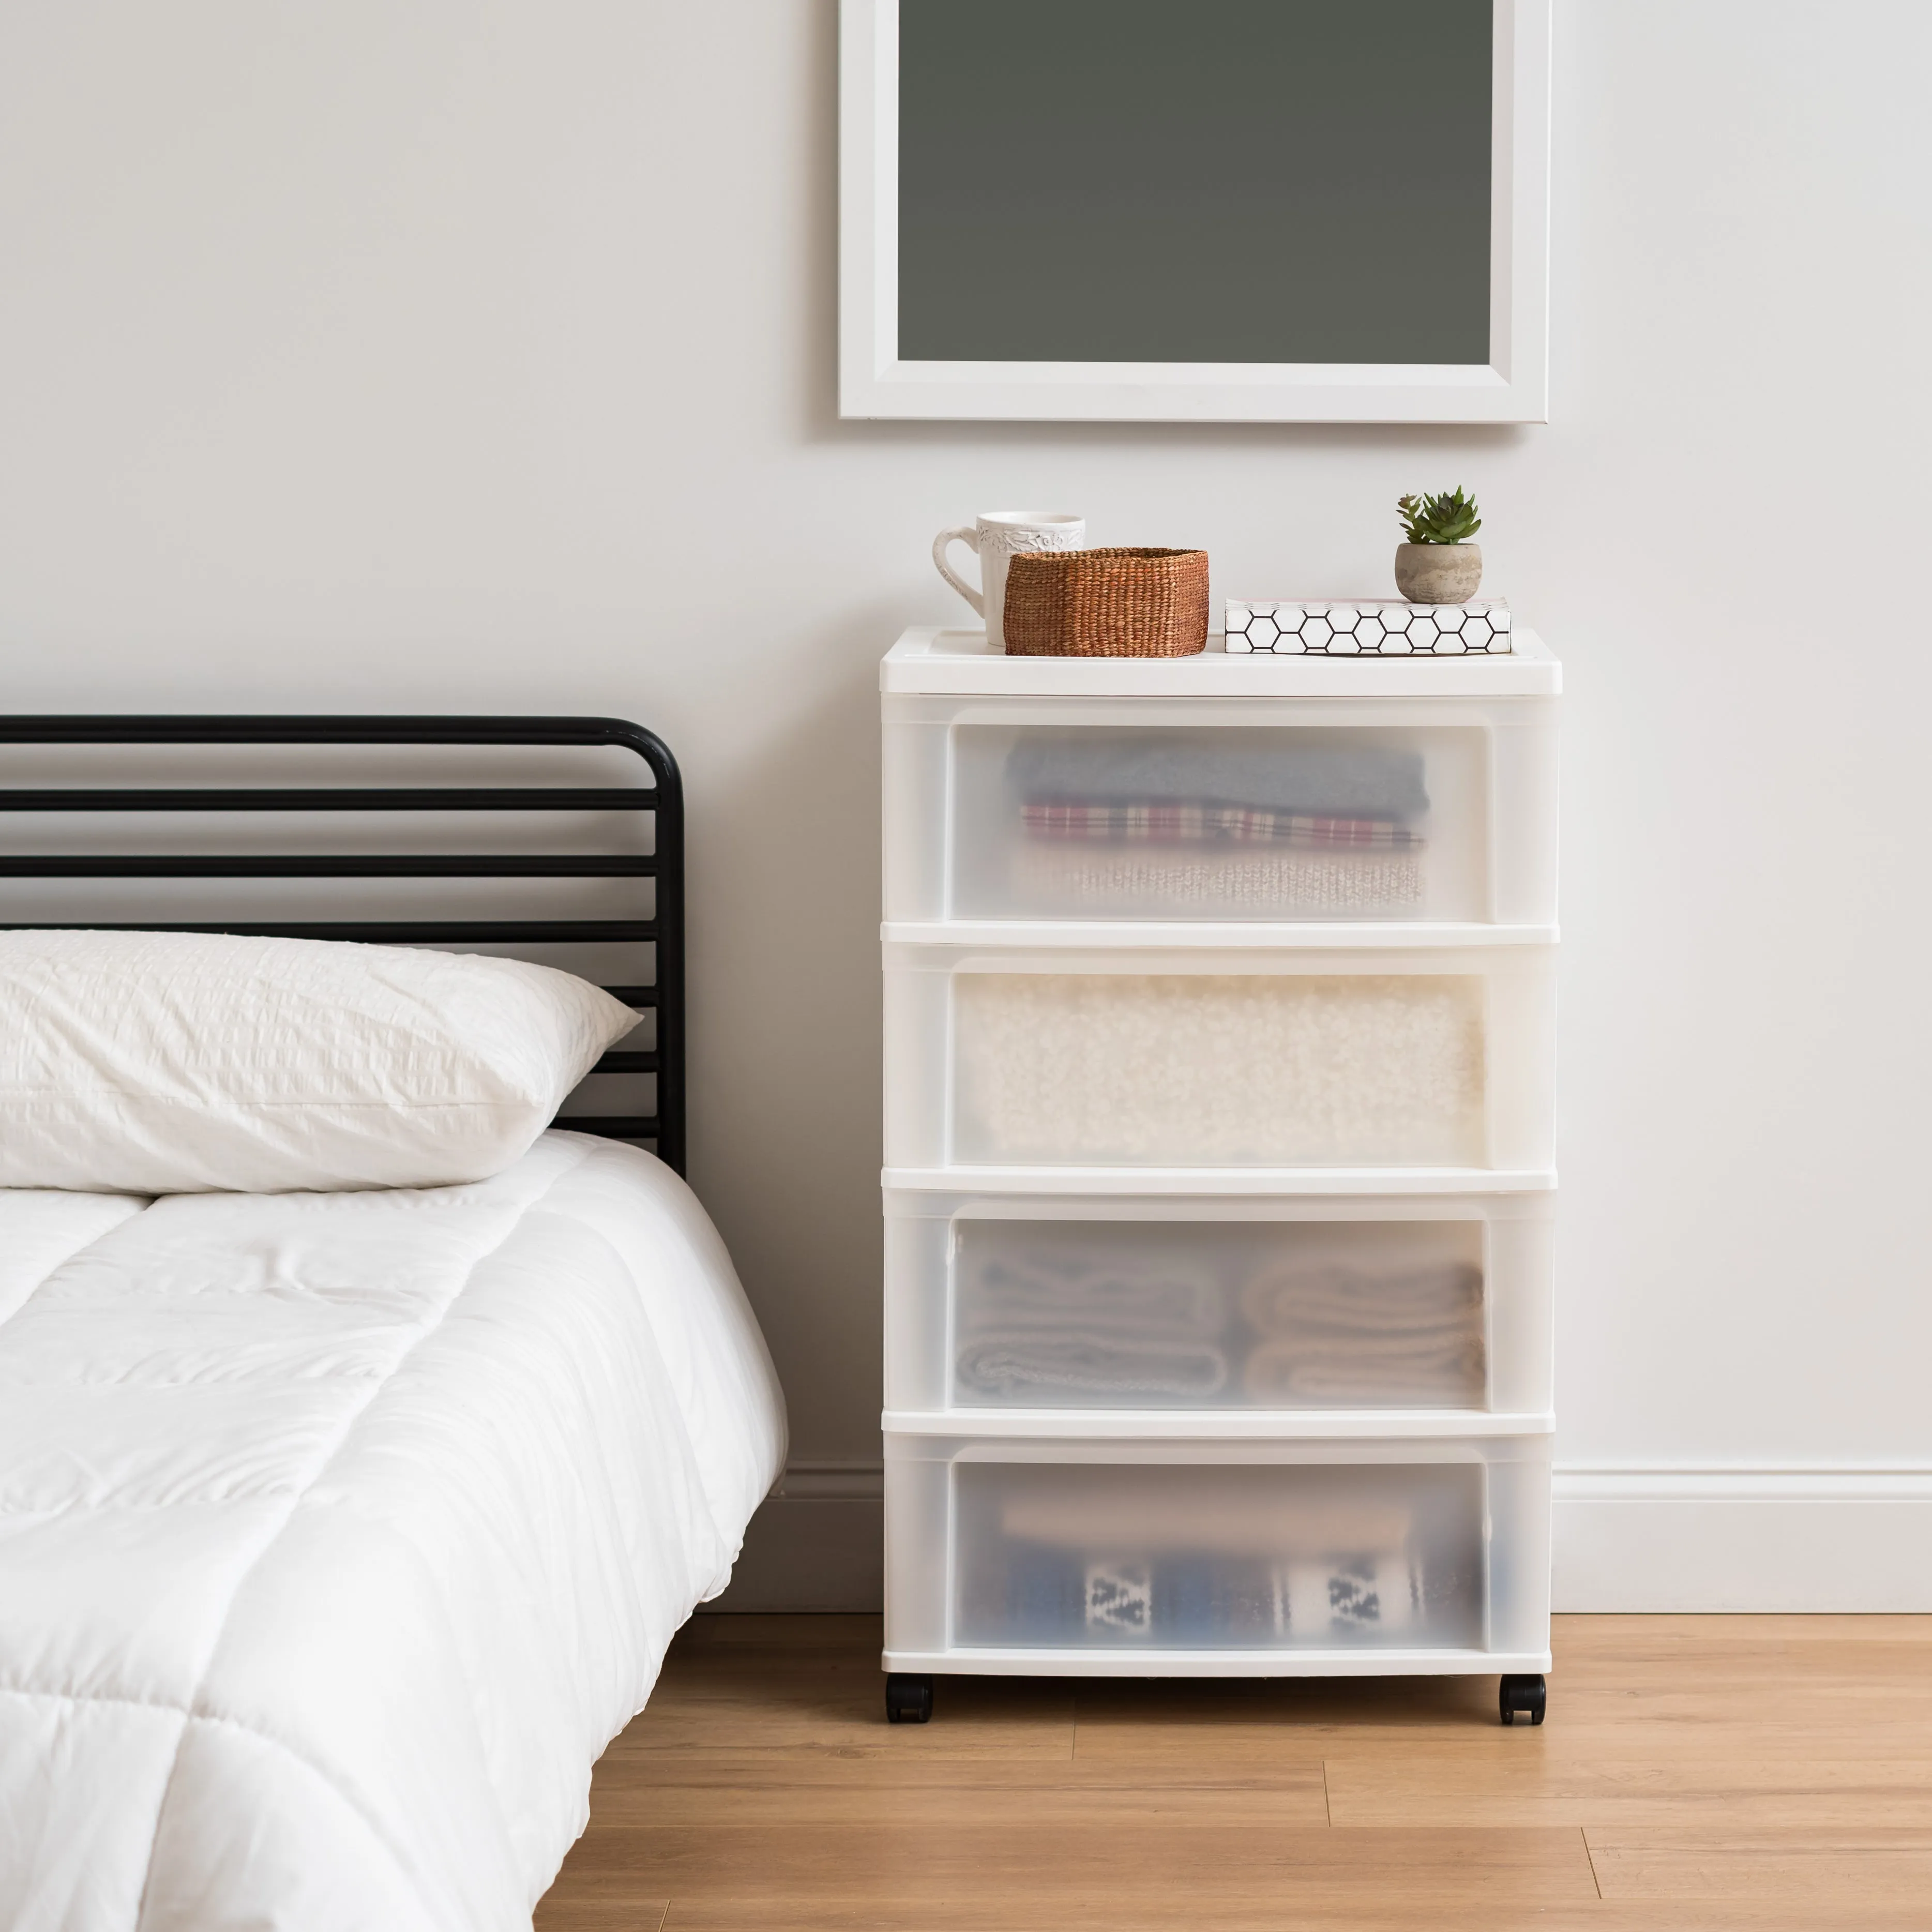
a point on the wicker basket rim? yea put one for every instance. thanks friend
(1066, 558)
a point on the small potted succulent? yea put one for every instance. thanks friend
(1439, 565)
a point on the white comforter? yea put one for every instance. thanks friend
(338, 1533)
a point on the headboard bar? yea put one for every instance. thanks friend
(376, 931)
(344, 798)
(339, 865)
(664, 798)
(327, 728)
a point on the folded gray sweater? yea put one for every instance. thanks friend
(1330, 780)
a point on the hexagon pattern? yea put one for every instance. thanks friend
(1377, 628)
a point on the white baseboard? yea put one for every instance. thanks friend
(1627, 1537)
(817, 1543)
(1821, 1537)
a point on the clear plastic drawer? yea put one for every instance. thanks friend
(1310, 1303)
(1310, 810)
(1143, 1554)
(1436, 1057)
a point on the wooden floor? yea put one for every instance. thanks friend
(1767, 1772)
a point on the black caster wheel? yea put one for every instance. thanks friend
(1523, 1697)
(909, 1699)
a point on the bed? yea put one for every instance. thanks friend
(339, 1531)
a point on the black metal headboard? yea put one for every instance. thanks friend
(663, 932)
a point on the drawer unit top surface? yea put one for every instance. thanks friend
(958, 663)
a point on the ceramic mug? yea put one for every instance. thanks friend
(997, 536)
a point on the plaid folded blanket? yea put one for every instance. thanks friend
(1096, 877)
(1164, 822)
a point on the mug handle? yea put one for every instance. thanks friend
(940, 545)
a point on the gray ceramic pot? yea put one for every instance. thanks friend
(1439, 573)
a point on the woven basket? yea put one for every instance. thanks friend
(1106, 604)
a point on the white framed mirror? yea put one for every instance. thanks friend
(1245, 211)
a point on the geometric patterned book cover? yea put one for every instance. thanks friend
(1376, 627)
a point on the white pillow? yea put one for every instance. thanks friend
(162, 1063)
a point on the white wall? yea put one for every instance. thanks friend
(478, 353)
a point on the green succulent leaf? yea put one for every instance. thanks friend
(1448, 517)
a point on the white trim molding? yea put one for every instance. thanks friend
(1512, 386)
(832, 1482)
(1632, 1537)
(817, 1543)
(1743, 1537)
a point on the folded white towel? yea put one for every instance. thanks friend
(1296, 1300)
(1048, 1366)
(1000, 1293)
(1441, 1374)
(1339, 1336)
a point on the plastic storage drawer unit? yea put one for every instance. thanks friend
(1211, 1059)
(1025, 1305)
(1271, 809)
(1219, 1043)
(1302, 1558)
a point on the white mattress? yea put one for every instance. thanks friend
(339, 1533)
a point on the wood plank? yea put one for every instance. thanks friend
(882, 1771)
(1241, 1733)
(956, 1875)
(1435, 1787)
(826, 1913)
(932, 1804)
(568, 1909)
(1879, 1869)
(753, 1694)
(1704, 1775)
